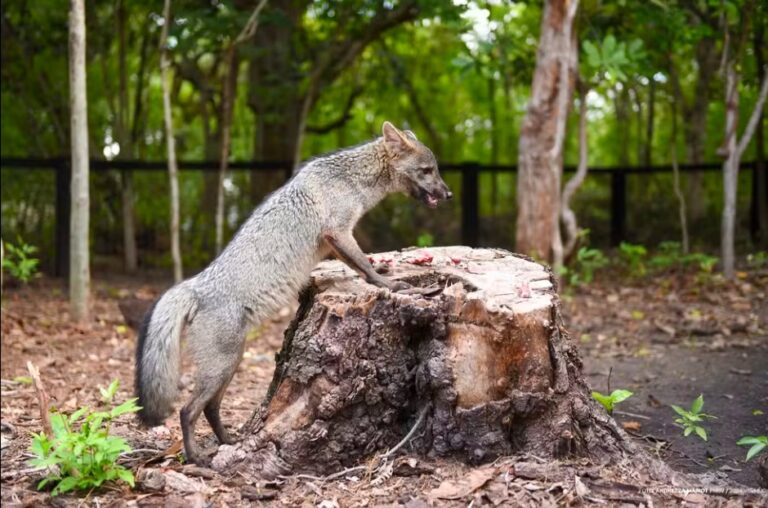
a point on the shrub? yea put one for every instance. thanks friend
(633, 257)
(19, 262)
(81, 455)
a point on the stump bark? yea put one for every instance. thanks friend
(483, 358)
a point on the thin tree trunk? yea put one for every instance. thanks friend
(138, 97)
(676, 180)
(566, 214)
(540, 158)
(126, 150)
(648, 150)
(229, 90)
(171, 145)
(402, 80)
(735, 149)
(761, 182)
(623, 120)
(79, 270)
(639, 119)
(228, 96)
(695, 118)
(730, 169)
(494, 142)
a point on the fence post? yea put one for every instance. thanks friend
(62, 217)
(618, 206)
(470, 214)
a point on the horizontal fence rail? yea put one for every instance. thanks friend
(161, 165)
(470, 192)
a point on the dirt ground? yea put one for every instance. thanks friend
(667, 339)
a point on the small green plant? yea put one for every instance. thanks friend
(81, 455)
(704, 262)
(756, 444)
(19, 262)
(634, 257)
(757, 260)
(668, 255)
(588, 261)
(108, 393)
(609, 401)
(691, 420)
(425, 240)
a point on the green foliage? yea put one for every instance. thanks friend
(611, 59)
(691, 420)
(425, 240)
(609, 401)
(757, 260)
(588, 261)
(756, 444)
(633, 256)
(81, 455)
(670, 255)
(19, 262)
(475, 62)
(108, 393)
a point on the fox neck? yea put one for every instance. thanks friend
(374, 175)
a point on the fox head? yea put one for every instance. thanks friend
(414, 166)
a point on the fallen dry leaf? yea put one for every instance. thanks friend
(631, 425)
(463, 487)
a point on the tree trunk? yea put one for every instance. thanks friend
(481, 369)
(402, 80)
(676, 181)
(730, 169)
(274, 95)
(79, 268)
(170, 141)
(734, 149)
(126, 150)
(228, 97)
(695, 120)
(228, 94)
(494, 134)
(567, 215)
(623, 121)
(540, 159)
(648, 150)
(760, 191)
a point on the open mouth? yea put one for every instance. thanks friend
(426, 197)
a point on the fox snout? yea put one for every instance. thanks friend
(433, 194)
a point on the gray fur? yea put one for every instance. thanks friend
(266, 264)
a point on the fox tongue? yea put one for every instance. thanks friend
(431, 200)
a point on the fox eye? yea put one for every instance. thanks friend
(426, 170)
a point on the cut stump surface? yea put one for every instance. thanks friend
(482, 354)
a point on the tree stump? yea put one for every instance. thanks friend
(484, 360)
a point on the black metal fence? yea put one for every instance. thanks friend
(470, 189)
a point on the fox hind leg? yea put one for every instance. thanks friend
(213, 416)
(216, 356)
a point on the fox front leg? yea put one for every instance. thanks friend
(346, 249)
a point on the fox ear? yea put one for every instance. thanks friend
(394, 140)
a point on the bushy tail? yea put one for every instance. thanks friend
(158, 353)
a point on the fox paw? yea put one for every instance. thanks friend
(399, 285)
